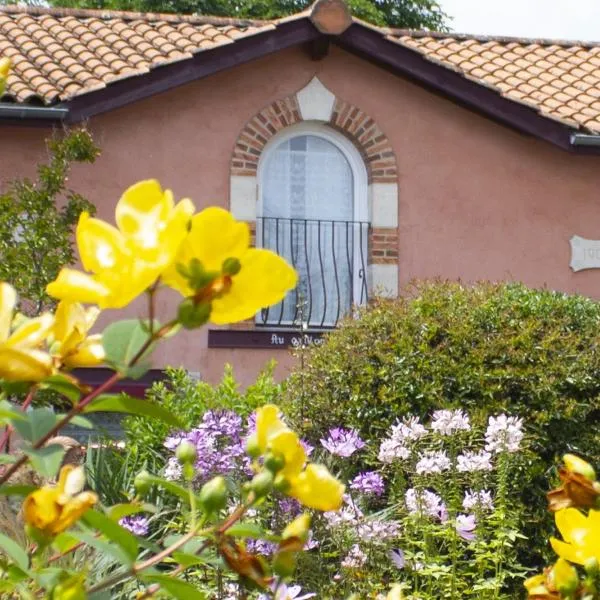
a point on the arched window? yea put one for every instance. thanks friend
(313, 211)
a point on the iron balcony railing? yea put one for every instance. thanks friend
(330, 257)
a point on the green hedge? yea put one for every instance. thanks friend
(488, 348)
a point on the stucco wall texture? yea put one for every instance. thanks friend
(476, 200)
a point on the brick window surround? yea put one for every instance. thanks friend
(316, 104)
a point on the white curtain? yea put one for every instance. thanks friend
(308, 209)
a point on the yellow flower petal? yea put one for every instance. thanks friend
(8, 301)
(4, 67)
(31, 333)
(90, 353)
(567, 551)
(71, 480)
(569, 521)
(40, 508)
(268, 423)
(263, 280)
(534, 582)
(287, 444)
(316, 488)
(78, 287)
(20, 365)
(142, 211)
(101, 246)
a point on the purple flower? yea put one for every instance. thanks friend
(219, 441)
(465, 527)
(262, 547)
(136, 524)
(308, 448)
(397, 557)
(342, 442)
(369, 482)
(290, 507)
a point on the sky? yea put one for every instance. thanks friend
(559, 19)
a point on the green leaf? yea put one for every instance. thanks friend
(36, 425)
(247, 530)
(80, 421)
(64, 542)
(176, 587)
(122, 341)
(14, 551)
(8, 412)
(118, 511)
(63, 385)
(104, 547)
(113, 531)
(170, 486)
(46, 461)
(16, 490)
(189, 560)
(122, 403)
(6, 459)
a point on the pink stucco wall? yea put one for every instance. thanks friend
(476, 200)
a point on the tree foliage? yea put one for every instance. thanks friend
(413, 14)
(38, 218)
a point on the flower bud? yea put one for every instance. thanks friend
(142, 483)
(252, 446)
(192, 315)
(284, 564)
(274, 462)
(281, 484)
(213, 495)
(575, 464)
(591, 566)
(231, 266)
(262, 483)
(298, 528)
(564, 577)
(186, 453)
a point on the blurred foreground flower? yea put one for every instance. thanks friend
(125, 262)
(581, 535)
(4, 70)
(71, 343)
(313, 486)
(216, 268)
(52, 509)
(21, 358)
(579, 486)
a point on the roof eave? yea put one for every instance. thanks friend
(372, 46)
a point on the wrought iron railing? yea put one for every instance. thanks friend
(331, 260)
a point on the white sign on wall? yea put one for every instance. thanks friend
(585, 254)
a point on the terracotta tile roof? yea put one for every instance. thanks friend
(58, 54)
(560, 79)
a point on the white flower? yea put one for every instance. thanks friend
(390, 450)
(433, 462)
(355, 559)
(470, 461)
(173, 469)
(378, 531)
(348, 515)
(425, 503)
(504, 434)
(409, 430)
(481, 500)
(446, 422)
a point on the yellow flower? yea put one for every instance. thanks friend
(261, 278)
(286, 444)
(4, 70)
(574, 464)
(537, 588)
(564, 577)
(52, 509)
(298, 528)
(71, 343)
(316, 488)
(268, 423)
(20, 356)
(127, 260)
(581, 535)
